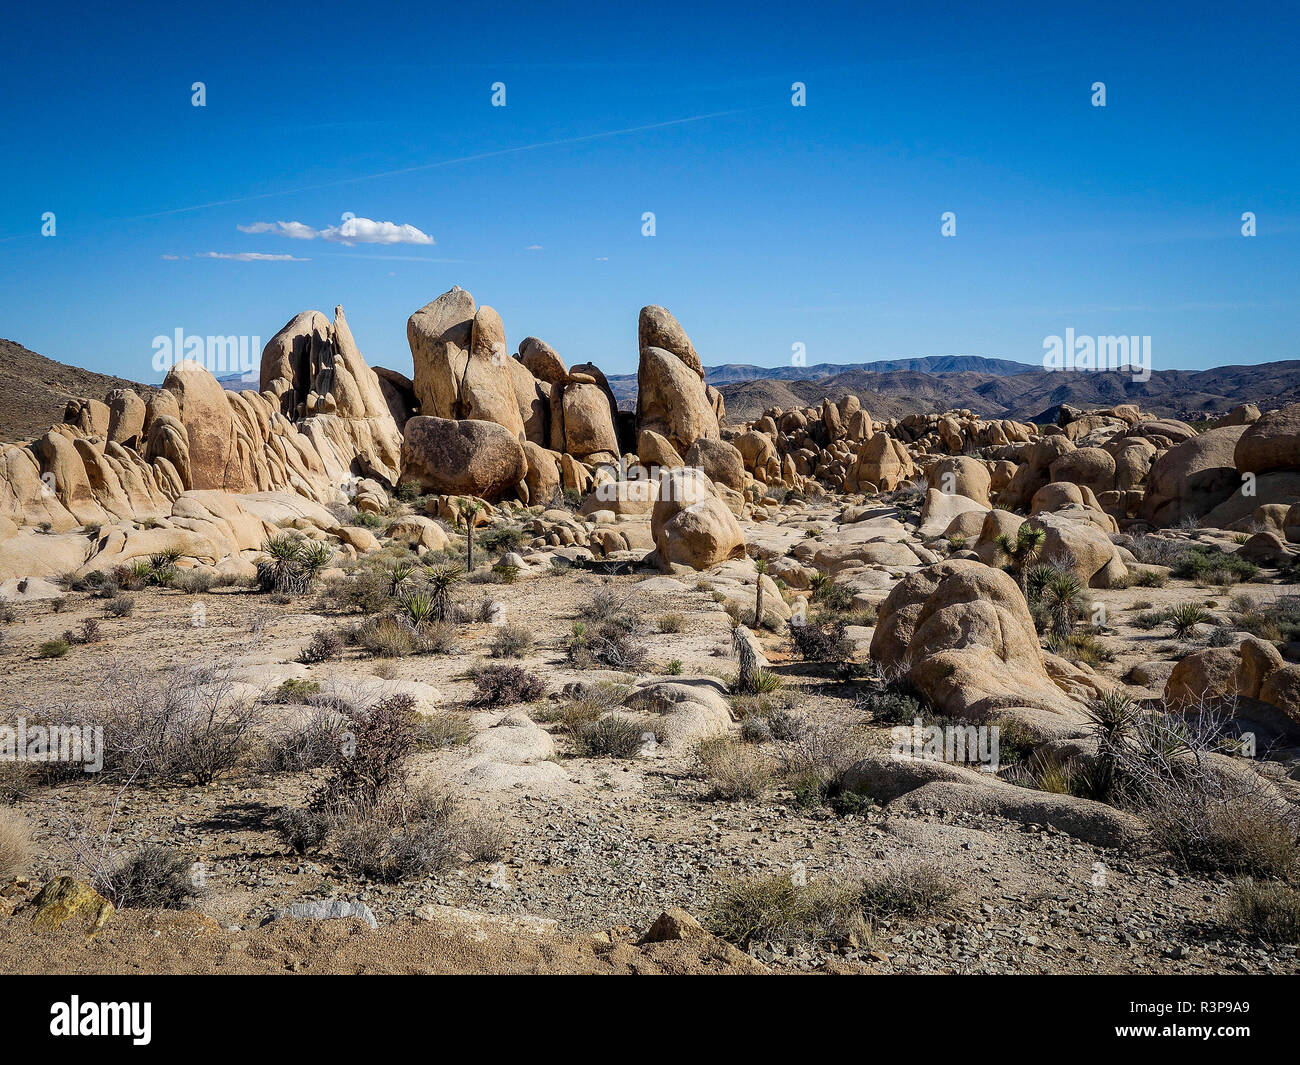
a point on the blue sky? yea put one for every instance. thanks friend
(775, 225)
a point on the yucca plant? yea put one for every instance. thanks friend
(281, 571)
(162, 566)
(1185, 617)
(398, 574)
(1061, 597)
(441, 581)
(418, 607)
(1113, 716)
(1021, 550)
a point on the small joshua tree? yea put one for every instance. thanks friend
(1021, 550)
(743, 649)
(761, 566)
(470, 508)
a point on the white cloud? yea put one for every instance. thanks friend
(351, 230)
(533, 247)
(251, 257)
(368, 231)
(295, 230)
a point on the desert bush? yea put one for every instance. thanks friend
(502, 538)
(301, 830)
(176, 727)
(735, 769)
(511, 641)
(153, 877)
(382, 737)
(507, 685)
(324, 646)
(1268, 909)
(1278, 621)
(86, 632)
(1207, 818)
(311, 744)
(1158, 550)
(609, 644)
(386, 637)
(1149, 619)
(830, 596)
(893, 702)
(194, 581)
(120, 606)
(672, 622)
(296, 690)
(18, 780)
(365, 591)
(1210, 565)
(774, 909)
(821, 643)
(815, 758)
(53, 649)
(505, 572)
(443, 729)
(483, 839)
(611, 736)
(1150, 578)
(909, 889)
(604, 603)
(401, 839)
(15, 844)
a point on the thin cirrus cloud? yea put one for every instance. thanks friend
(250, 257)
(351, 230)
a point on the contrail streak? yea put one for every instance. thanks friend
(451, 162)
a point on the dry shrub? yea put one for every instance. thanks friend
(909, 889)
(1207, 817)
(1268, 909)
(507, 685)
(311, 744)
(403, 837)
(611, 736)
(154, 877)
(774, 909)
(737, 770)
(816, 756)
(170, 727)
(15, 844)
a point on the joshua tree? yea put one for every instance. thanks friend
(761, 566)
(743, 649)
(1022, 550)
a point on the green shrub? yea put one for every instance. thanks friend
(53, 649)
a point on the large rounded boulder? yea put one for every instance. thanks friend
(469, 457)
(691, 525)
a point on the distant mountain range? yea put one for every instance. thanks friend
(1028, 394)
(34, 389)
